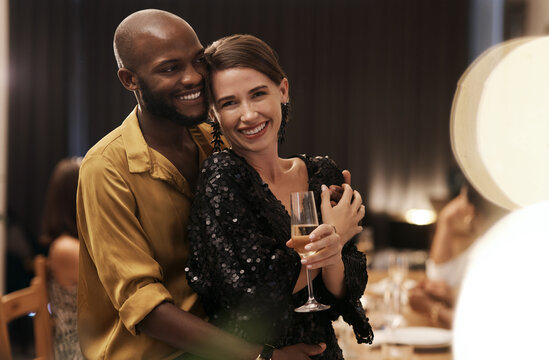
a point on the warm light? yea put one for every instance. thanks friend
(420, 216)
(502, 310)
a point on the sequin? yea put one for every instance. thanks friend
(243, 270)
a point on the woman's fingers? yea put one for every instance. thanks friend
(325, 196)
(357, 201)
(327, 247)
(325, 261)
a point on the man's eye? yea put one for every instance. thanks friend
(169, 69)
(200, 60)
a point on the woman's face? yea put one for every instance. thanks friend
(247, 105)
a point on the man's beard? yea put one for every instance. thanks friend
(159, 108)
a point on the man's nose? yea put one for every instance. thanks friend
(191, 77)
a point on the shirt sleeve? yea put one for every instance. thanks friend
(116, 242)
(451, 271)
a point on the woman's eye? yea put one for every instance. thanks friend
(258, 93)
(227, 103)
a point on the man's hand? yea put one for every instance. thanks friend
(298, 352)
(336, 191)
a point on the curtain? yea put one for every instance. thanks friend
(371, 85)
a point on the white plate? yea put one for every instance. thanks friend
(419, 336)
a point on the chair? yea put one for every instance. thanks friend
(33, 299)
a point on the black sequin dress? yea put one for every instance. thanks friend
(243, 271)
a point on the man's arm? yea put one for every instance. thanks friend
(182, 330)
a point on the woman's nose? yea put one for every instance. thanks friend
(248, 112)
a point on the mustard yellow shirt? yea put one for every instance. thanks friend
(133, 207)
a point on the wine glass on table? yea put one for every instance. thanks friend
(304, 221)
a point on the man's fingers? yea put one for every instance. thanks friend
(335, 193)
(315, 349)
(346, 176)
(347, 194)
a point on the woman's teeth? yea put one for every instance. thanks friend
(255, 130)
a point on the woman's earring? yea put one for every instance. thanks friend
(285, 113)
(216, 134)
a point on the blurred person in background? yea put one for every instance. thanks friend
(460, 223)
(60, 234)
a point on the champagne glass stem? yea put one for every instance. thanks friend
(310, 285)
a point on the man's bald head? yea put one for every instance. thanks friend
(145, 22)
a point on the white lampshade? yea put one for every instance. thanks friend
(503, 308)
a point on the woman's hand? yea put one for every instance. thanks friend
(346, 215)
(327, 246)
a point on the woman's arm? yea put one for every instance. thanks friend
(453, 225)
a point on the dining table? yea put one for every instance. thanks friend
(354, 351)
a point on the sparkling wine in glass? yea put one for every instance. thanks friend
(304, 221)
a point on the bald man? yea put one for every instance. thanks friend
(134, 197)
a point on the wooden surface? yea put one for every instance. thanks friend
(353, 351)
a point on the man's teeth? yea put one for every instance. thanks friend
(190, 96)
(254, 131)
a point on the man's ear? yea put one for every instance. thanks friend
(128, 79)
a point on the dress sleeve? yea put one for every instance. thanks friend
(116, 243)
(232, 254)
(356, 274)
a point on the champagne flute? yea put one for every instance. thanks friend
(304, 221)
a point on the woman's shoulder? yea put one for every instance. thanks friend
(323, 167)
(63, 260)
(221, 171)
(221, 163)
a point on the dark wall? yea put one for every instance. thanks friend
(371, 82)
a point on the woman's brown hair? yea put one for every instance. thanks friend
(59, 216)
(246, 51)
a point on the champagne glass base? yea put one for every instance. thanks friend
(311, 306)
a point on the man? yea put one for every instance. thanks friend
(134, 198)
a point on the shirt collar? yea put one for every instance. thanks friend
(141, 158)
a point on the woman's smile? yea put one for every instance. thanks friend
(254, 131)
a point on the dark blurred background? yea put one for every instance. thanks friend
(371, 85)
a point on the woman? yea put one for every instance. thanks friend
(460, 223)
(59, 232)
(247, 274)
